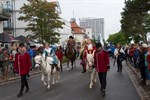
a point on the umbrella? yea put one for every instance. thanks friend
(22, 39)
(5, 38)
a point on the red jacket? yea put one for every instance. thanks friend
(88, 51)
(59, 54)
(131, 51)
(148, 60)
(22, 63)
(101, 61)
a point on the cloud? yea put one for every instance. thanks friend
(108, 9)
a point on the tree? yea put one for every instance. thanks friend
(135, 18)
(118, 38)
(43, 19)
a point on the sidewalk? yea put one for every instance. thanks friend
(11, 77)
(134, 75)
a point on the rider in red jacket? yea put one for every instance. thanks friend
(89, 49)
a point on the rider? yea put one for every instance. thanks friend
(89, 49)
(50, 52)
(71, 43)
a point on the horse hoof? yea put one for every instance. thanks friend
(53, 83)
(95, 81)
(90, 86)
(45, 84)
(56, 82)
(48, 87)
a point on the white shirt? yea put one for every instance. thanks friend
(116, 51)
(47, 50)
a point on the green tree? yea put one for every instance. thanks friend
(43, 19)
(135, 18)
(118, 38)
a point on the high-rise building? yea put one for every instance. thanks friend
(97, 25)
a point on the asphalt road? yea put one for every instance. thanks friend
(73, 86)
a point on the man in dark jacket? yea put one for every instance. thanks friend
(141, 62)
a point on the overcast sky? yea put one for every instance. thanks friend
(108, 9)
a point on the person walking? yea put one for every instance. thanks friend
(141, 62)
(4, 58)
(135, 55)
(59, 54)
(22, 65)
(101, 62)
(119, 56)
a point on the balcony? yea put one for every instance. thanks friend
(7, 25)
(4, 15)
(7, 7)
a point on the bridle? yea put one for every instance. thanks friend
(39, 63)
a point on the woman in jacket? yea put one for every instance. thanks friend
(117, 54)
(22, 65)
(141, 62)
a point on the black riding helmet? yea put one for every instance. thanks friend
(71, 37)
(98, 45)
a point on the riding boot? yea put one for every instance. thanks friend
(20, 94)
(57, 68)
(52, 69)
(84, 70)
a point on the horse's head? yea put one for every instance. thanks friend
(70, 53)
(38, 60)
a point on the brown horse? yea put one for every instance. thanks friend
(71, 56)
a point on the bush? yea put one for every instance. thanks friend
(64, 59)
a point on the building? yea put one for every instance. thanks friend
(97, 25)
(77, 31)
(65, 32)
(18, 27)
(89, 32)
(5, 15)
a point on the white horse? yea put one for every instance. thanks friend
(46, 69)
(90, 69)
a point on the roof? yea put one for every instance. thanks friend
(75, 28)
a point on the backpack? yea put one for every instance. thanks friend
(121, 56)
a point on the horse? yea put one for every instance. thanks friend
(46, 69)
(71, 56)
(90, 69)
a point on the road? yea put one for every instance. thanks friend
(74, 86)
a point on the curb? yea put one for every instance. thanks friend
(18, 77)
(31, 74)
(133, 75)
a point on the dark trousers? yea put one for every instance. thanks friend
(135, 62)
(119, 65)
(23, 82)
(102, 78)
(143, 73)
